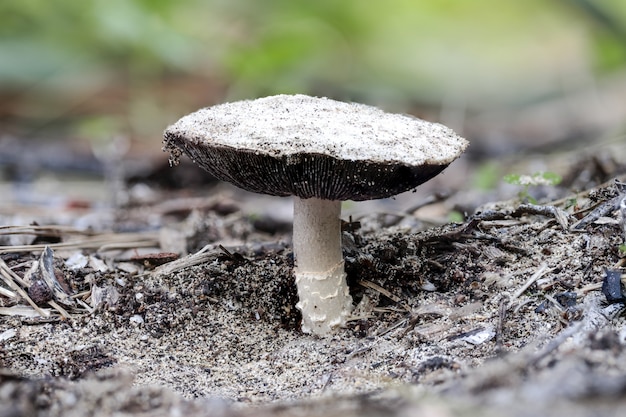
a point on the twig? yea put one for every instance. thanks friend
(504, 305)
(412, 318)
(394, 326)
(554, 344)
(360, 350)
(585, 193)
(376, 287)
(602, 210)
(203, 255)
(543, 269)
(596, 286)
(559, 215)
(60, 309)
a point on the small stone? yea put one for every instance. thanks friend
(39, 292)
(612, 287)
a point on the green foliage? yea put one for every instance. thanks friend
(44, 37)
(539, 178)
(527, 181)
(571, 202)
(456, 217)
(405, 48)
(486, 176)
(393, 54)
(608, 36)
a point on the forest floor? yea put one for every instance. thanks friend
(516, 309)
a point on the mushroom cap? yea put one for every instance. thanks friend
(314, 147)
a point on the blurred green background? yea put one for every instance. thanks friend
(101, 68)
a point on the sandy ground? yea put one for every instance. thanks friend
(503, 312)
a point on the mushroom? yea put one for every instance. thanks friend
(321, 152)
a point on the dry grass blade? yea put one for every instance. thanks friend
(23, 311)
(48, 230)
(45, 269)
(7, 293)
(9, 277)
(203, 255)
(60, 309)
(543, 269)
(98, 242)
(376, 287)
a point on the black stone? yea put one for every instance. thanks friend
(612, 286)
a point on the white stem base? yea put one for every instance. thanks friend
(325, 301)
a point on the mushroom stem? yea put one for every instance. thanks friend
(325, 301)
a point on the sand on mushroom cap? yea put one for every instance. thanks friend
(320, 151)
(286, 141)
(285, 125)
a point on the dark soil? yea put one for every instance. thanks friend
(504, 312)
